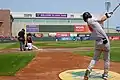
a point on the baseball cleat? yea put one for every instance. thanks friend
(85, 78)
(87, 74)
(105, 76)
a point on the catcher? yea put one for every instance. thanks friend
(29, 41)
(102, 43)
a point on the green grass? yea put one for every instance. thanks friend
(65, 44)
(115, 43)
(115, 47)
(15, 45)
(114, 52)
(52, 44)
(12, 62)
(4, 45)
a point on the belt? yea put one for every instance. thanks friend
(100, 39)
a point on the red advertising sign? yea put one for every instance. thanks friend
(62, 34)
(38, 35)
(114, 37)
(80, 28)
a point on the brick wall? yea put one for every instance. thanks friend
(5, 28)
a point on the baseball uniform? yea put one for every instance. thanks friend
(102, 44)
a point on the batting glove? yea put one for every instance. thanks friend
(108, 15)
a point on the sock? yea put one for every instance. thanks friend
(106, 66)
(91, 65)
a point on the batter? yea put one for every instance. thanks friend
(102, 43)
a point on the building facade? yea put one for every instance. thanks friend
(48, 22)
(5, 23)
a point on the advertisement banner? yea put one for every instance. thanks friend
(38, 35)
(62, 34)
(80, 28)
(50, 15)
(114, 37)
(74, 38)
(32, 28)
(65, 39)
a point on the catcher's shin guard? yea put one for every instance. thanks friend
(87, 74)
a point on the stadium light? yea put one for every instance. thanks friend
(107, 7)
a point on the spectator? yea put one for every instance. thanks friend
(81, 38)
(74, 38)
(56, 38)
(21, 38)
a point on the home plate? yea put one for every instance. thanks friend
(78, 74)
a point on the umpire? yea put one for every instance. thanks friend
(21, 38)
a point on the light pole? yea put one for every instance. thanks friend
(107, 6)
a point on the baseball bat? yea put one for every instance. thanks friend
(116, 8)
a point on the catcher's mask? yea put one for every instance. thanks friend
(86, 15)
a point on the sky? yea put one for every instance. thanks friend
(74, 6)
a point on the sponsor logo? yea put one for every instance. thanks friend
(50, 15)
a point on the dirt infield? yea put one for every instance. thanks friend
(49, 63)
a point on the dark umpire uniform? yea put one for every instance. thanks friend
(21, 38)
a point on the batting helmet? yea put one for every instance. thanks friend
(86, 15)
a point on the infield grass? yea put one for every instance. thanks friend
(115, 47)
(59, 44)
(114, 52)
(13, 62)
(4, 45)
(64, 44)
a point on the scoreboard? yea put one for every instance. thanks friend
(56, 28)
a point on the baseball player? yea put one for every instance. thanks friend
(29, 41)
(102, 43)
